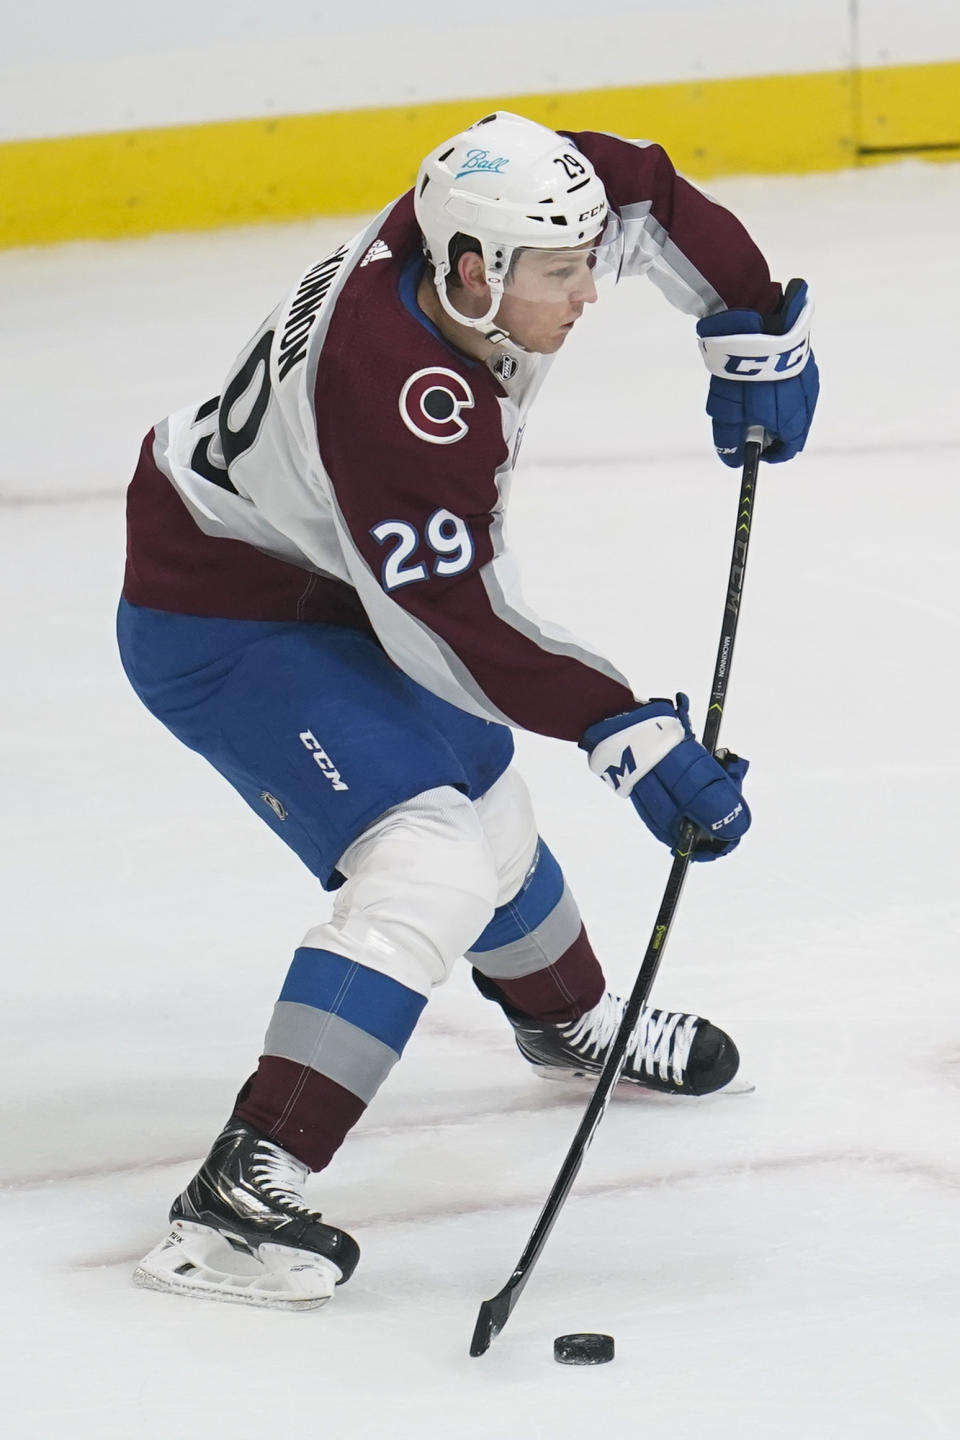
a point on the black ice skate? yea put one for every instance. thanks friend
(242, 1233)
(672, 1053)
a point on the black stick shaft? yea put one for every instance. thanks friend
(493, 1314)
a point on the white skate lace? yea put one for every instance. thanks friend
(280, 1176)
(661, 1044)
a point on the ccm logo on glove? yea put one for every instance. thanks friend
(651, 756)
(626, 756)
(727, 819)
(763, 376)
(766, 367)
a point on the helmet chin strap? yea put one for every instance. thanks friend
(484, 323)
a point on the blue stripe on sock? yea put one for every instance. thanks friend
(529, 907)
(373, 1002)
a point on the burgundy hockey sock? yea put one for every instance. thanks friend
(535, 949)
(560, 992)
(304, 1112)
(338, 1029)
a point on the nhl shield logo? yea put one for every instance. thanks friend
(506, 367)
(277, 806)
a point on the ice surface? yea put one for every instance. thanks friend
(779, 1264)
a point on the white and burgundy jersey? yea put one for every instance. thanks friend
(355, 468)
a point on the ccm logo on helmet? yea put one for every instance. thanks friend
(430, 405)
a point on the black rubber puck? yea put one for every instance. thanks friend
(583, 1349)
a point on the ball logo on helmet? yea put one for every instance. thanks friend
(475, 160)
(431, 402)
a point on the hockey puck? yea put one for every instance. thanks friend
(583, 1349)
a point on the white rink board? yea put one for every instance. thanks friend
(891, 33)
(66, 69)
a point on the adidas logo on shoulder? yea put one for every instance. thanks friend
(379, 250)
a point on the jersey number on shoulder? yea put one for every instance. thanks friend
(445, 533)
(242, 407)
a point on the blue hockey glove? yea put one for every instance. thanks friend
(651, 755)
(771, 381)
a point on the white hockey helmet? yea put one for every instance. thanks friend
(509, 184)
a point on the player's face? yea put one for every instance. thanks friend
(545, 295)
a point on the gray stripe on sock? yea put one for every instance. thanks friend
(541, 947)
(331, 1046)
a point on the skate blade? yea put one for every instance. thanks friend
(197, 1260)
(739, 1085)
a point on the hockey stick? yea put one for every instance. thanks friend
(495, 1313)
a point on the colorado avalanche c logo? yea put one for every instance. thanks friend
(431, 402)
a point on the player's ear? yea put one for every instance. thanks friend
(472, 272)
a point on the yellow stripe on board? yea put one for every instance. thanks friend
(910, 108)
(189, 177)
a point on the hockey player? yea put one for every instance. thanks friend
(320, 600)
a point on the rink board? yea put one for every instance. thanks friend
(192, 177)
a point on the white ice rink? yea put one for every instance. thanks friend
(784, 1264)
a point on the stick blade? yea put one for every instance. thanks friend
(491, 1318)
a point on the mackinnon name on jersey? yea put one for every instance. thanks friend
(303, 310)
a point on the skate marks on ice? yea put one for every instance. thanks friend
(561, 1093)
(948, 1067)
(877, 1166)
(881, 1165)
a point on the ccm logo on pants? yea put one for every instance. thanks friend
(310, 741)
